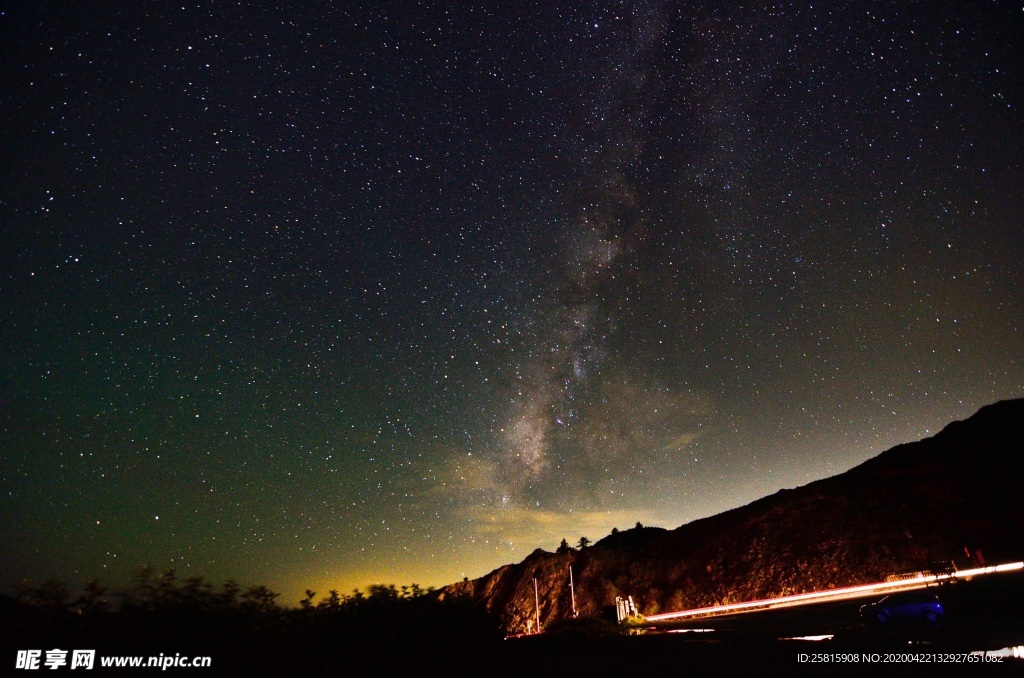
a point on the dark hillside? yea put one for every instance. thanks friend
(952, 497)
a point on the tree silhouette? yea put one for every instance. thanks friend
(93, 600)
(259, 599)
(141, 595)
(331, 602)
(164, 594)
(229, 593)
(396, 626)
(197, 592)
(563, 547)
(51, 595)
(584, 543)
(380, 592)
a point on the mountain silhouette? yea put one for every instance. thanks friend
(949, 500)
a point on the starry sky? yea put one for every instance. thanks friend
(326, 294)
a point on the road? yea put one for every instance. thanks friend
(847, 593)
(984, 613)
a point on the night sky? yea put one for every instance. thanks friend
(327, 294)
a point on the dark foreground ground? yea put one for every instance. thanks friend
(982, 615)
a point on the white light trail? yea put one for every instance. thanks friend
(836, 594)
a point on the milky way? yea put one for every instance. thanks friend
(571, 349)
(319, 297)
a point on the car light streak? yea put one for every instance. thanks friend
(835, 594)
(1015, 652)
